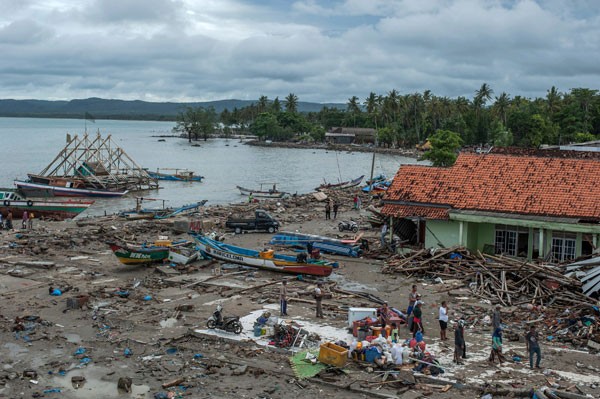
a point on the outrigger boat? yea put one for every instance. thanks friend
(323, 244)
(342, 185)
(267, 260)
(262, 193)
(141, 254)
(33, 189)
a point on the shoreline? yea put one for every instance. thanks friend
(411, 153)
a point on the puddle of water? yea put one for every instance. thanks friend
(15, 350)
(345, 284)
(97, 385)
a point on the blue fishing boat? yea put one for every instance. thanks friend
(377, 187)
(179, 175)
(267, 259)
(324, 244)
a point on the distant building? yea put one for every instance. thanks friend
(350, 135)
(524, 206)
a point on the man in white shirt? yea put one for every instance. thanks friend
(443, 318)
(318, 299)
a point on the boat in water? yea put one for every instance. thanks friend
(179, 175)
(342, 185)
(323, 244)
(272, 192)
(42, 208)
(267, 260)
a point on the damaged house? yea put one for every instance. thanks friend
(529, 206)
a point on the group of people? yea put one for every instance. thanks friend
(7, 223)
(329, 205)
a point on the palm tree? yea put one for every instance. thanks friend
(276, 106)
(372, 105)
(552, 100)
(291, 103)
(353, 107)
(500, 107)
(263, 103)
(482, 95)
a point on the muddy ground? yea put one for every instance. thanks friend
(156, 335)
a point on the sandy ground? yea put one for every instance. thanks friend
(153, 343)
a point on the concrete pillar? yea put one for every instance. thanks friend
(460, 233)
(541, 244)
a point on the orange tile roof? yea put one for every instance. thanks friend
(404, 211)
(525, 185)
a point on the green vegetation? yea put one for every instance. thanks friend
(444, 148)
(401, 120)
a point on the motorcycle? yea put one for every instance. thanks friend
(348, 225)
(229, 323)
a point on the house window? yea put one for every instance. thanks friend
(563, 246)
(512, 240)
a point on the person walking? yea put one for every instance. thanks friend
(496, 318)
(25, 221)
(328, 210)
(319, 299)
(496, 346)
(336, 206)
(283, 298)
(384, 230)
(443, 319)
(459, 341)
(30, 224)
(533, 347)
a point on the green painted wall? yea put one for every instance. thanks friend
(441, 231)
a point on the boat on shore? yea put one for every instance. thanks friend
(261, 192)
(12, 200)
(179, 175)
(267, 260)
(323, 244)
(183, 255)
(158, 213)
(130, 254)
(342, 185)
(32, 189)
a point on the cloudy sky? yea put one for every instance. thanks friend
(323, 51)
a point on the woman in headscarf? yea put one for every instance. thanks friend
(497, 346)
(459, 341)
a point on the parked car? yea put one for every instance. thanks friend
(262, 221)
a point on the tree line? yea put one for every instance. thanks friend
(403, 120)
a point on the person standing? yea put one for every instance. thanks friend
(1, 222)
(496, 346)
(459, 341)
(412, 298)
(9, 220)
(328, 210)
(250, 198)
(30, 224)
(496, 318)
(358, 202)
(533, 347)
(319, 299)
(25, 221)
(417, 320)
(355, 201)
(283, 298)
(443, 319)
(336, 206)
(384, 230)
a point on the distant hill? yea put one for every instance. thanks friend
(121, 109)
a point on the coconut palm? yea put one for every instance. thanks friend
(500, 107)
(291, 103)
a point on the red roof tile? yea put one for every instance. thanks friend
(403, 211)
(502, 183)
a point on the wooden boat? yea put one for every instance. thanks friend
(33, 189)
(41, 208)
(158, 213)
(267, 260)
(378, 187)
(376, 179)
(140, 254)
(342, 185)
(323, 244)
(179, 175)
(261, 192)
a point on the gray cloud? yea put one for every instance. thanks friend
(182, 50)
